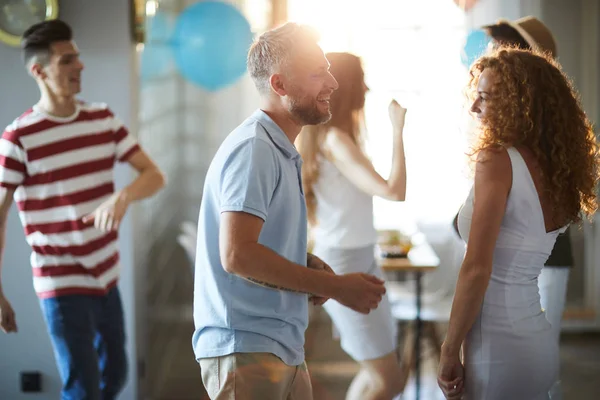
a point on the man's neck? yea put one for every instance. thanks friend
(283, 119)
(57, 106)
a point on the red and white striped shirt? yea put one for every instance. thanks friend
(61, 170)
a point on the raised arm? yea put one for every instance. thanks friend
(356, 167)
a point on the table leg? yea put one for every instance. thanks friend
(419, 328)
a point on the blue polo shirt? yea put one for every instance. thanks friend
(256, 170)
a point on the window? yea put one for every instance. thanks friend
(410, 52)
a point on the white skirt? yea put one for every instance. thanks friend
(363, 337)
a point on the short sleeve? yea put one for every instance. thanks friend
(12, 160)
(249, 178)
(127, 145)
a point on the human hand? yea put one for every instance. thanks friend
(109, 214)
(8, 322)
(397, 115)
(451, 375)
(360, 292)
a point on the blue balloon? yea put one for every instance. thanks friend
(157, 55)
(210, 44)
(475, 45)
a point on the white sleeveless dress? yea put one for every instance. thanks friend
(510, 351)
(344, 239)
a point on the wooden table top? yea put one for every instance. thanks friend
(421, 258)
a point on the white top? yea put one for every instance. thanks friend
(523, 228)
(344, 212)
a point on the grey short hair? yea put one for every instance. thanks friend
(273, 49)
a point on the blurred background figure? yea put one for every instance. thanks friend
(339, 184)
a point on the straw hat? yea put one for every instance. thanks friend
(535, 33)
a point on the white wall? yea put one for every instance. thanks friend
(102, 31)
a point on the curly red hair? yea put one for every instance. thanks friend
(535, 105)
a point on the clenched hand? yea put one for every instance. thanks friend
(360, 292)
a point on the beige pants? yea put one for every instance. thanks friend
(254, 376)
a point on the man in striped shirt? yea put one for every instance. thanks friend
(56, 161)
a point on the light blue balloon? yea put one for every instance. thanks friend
(210, 44)
(157, 56)
(475, 46)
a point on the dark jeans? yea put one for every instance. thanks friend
(88, 337)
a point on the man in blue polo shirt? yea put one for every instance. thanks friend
(252, 284)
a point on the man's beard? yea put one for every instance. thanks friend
(308, 114)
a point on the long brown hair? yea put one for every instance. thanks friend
(535, 105)
(347, 105)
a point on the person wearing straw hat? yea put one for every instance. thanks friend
(526, 33)
(531, 33)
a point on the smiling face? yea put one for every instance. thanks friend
(62, 72)
(483, 104)
(310, 85)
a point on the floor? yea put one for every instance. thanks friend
(332, 370)
(178, 375)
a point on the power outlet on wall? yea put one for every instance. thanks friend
(31, 382)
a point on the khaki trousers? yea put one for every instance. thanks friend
(254, 376)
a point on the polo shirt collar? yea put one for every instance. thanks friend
(277, 135)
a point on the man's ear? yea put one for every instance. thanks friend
(278, 84)
(36, 70)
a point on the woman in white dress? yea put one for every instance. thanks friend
(536, 172)
(339, 184)
(530, 33)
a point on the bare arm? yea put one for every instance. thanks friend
(312, 262)
(242, 255)
(150, 180)
(356, 167)
(493, 179)
(6, 200)
(8, 321)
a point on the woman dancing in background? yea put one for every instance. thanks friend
(339, 183)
